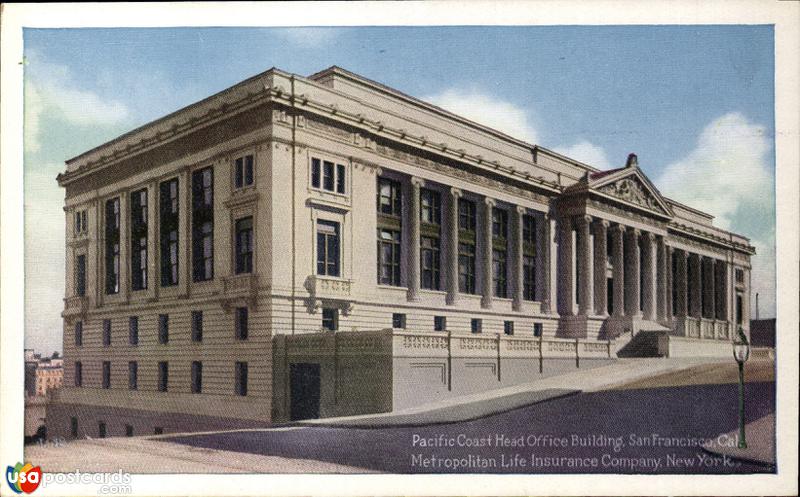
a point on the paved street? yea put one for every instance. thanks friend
(630, 430)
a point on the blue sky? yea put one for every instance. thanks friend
(694, 102)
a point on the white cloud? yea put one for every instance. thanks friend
(588, 153)
(51, 92)
(729, 175)
(310, 37)
(487, 110)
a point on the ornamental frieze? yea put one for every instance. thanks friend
(633, 191)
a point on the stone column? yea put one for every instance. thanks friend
(153, 252)
(746, 297)
(413, 240)
(566, 267)
(184, 233)
(681, 284)
(649, 273)
(584, 277)
(452, 247)
(669, 283)
(124, 245)
(711, 280)
(618, 257)
(488, 282)
(695, 287)
(516, 242)
(661, 280)
(632, 307)
(543, 261)
(600, 262)
(724, 290)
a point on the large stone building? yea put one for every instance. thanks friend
(312, 246)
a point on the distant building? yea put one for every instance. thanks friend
(49, 375)
(762, 332)
(420, 247)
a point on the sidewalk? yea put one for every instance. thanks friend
(760, 436)
(482, 404)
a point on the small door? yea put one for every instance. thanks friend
(304, 383)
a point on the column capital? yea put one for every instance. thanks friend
(417, 181)
(456, 192)
(619, 228)
(378, 170)
(605, 223)
(635, 232)
(650, 236)
(489, 201)
(584, 220)
(520, 209)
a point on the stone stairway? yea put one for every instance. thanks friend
(646, 343)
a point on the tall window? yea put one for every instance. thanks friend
(203, 224)
(106, 374)
(499, 252)
(528, 257)
(169, 232)
(439, 323)
(197, 377)
(244, 245)
(399, 321)
(81, 226)
(106, 332)
(330, 319)
(197, 326)
(389, 207)
(328, 176)
(163, 376)
(80, 275)
(431, 220)
(466, 246)
(163, 328)
(79, 333)
(78, 374)
(243, 171)
(241, 323)
(508, 327)
(133, 330)
(74, 426)
(139, 239)
(112, 245)
(328, 248)
(133, 375)
(241, 378)
(476, 325)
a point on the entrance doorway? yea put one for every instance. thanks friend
(304, 382)
(610, 295)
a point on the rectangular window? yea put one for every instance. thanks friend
(241, 323)
(203, 224)
(499, 273)
(163, 328)
(398, 321)
(106, 374)
(466, 268)
(133, 330)
(112, 245)
(328, 248)
(388, 257)
(316, 171)
(163, 376)
(73, 422)
(101, 429)
(439, 323)
(128, 430)
(528, 230)
(528, 277)
(244, 245)
(429, 261)
(241, 378)
(168, 229)
(430, 207)
(330, 319)
(78, 374)
(197, 377)
(340, 178)
(78, 222)
(84, 224)
(537, 329)
(739, 276)
(476, 325)
(466, 215)
(157, 430)
(243, 167)
(78, 333)
(327, 175)
(389, 197)
(499, 223)
(139, 239)
(80, 275)
(197, 326)
(508, 327)
(106, 332)
(133, 375)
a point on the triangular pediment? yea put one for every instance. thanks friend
(629, 185)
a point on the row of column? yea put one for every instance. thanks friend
(484, 247)
(641, 272)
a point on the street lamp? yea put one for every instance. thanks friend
(741, 352)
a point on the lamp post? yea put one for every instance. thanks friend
(741, 352)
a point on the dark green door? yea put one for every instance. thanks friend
(305, 388)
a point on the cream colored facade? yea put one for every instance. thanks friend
(597, 239)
